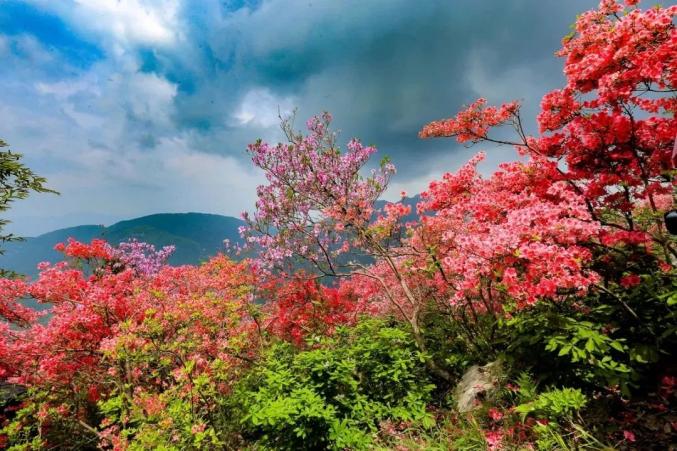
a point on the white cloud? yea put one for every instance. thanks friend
(149, 97)
(124, 184)
(123, 23)
(133, 20)
(62, 90)
(26, 47)
(262, 108)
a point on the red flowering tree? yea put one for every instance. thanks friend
(610, 131)
(586, 208)
(179, 335)
(169, 373)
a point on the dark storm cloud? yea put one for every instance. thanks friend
(138, 106)
(383, 68)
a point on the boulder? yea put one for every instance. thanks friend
(10, 393)
(476, 384)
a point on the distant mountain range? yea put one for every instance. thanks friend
(197, 236)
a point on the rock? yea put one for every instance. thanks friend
(475, 384)
(10, 393)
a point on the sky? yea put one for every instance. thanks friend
(134, 107)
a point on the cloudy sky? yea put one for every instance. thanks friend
(132, 107)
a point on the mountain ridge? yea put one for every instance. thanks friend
(196, 236)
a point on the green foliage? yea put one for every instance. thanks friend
(551, 437)
(447, 343)
(563, 346)
(618, 339)
(42, 423)
(554, 404)
(470, 437)
(176, 427)
(23, 431)
(16, 182)
(556, 411)
(334, 395)
(584, 342)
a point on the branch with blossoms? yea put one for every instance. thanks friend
(319, 210)
(603, 141)
(610, 141)
(472, 125)
(317, 206)
(142, 257)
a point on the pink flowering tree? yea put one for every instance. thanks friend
(317, 205)
(510, 240)
(142, 257)
(318, 210)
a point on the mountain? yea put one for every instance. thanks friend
(196, 236)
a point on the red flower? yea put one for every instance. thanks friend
(495, 414)
(630, 281)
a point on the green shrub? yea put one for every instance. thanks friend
(614, 337)
(334, 395)
(40, 423)
(554, 404)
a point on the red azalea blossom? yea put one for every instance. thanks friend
(630, 281)
(602, 136)
(494, 439)
(495, 414)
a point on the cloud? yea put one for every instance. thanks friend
(50, 32)
(261, 108)
(182, 180)
(139, 106)
(120, 23)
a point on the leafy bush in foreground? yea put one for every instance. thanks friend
(334, 395)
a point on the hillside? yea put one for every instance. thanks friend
(196, 236)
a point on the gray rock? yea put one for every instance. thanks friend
(476, 383)
(10, 393)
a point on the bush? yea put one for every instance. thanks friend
(336, 394)
(622, 337)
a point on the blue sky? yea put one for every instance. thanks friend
(132, 107)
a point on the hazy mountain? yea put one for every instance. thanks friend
(196, 236)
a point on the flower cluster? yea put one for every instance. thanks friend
(517, 232)
(316, 204)
(302, 308)
(473, 123)
(97, 249)
(142, 257)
